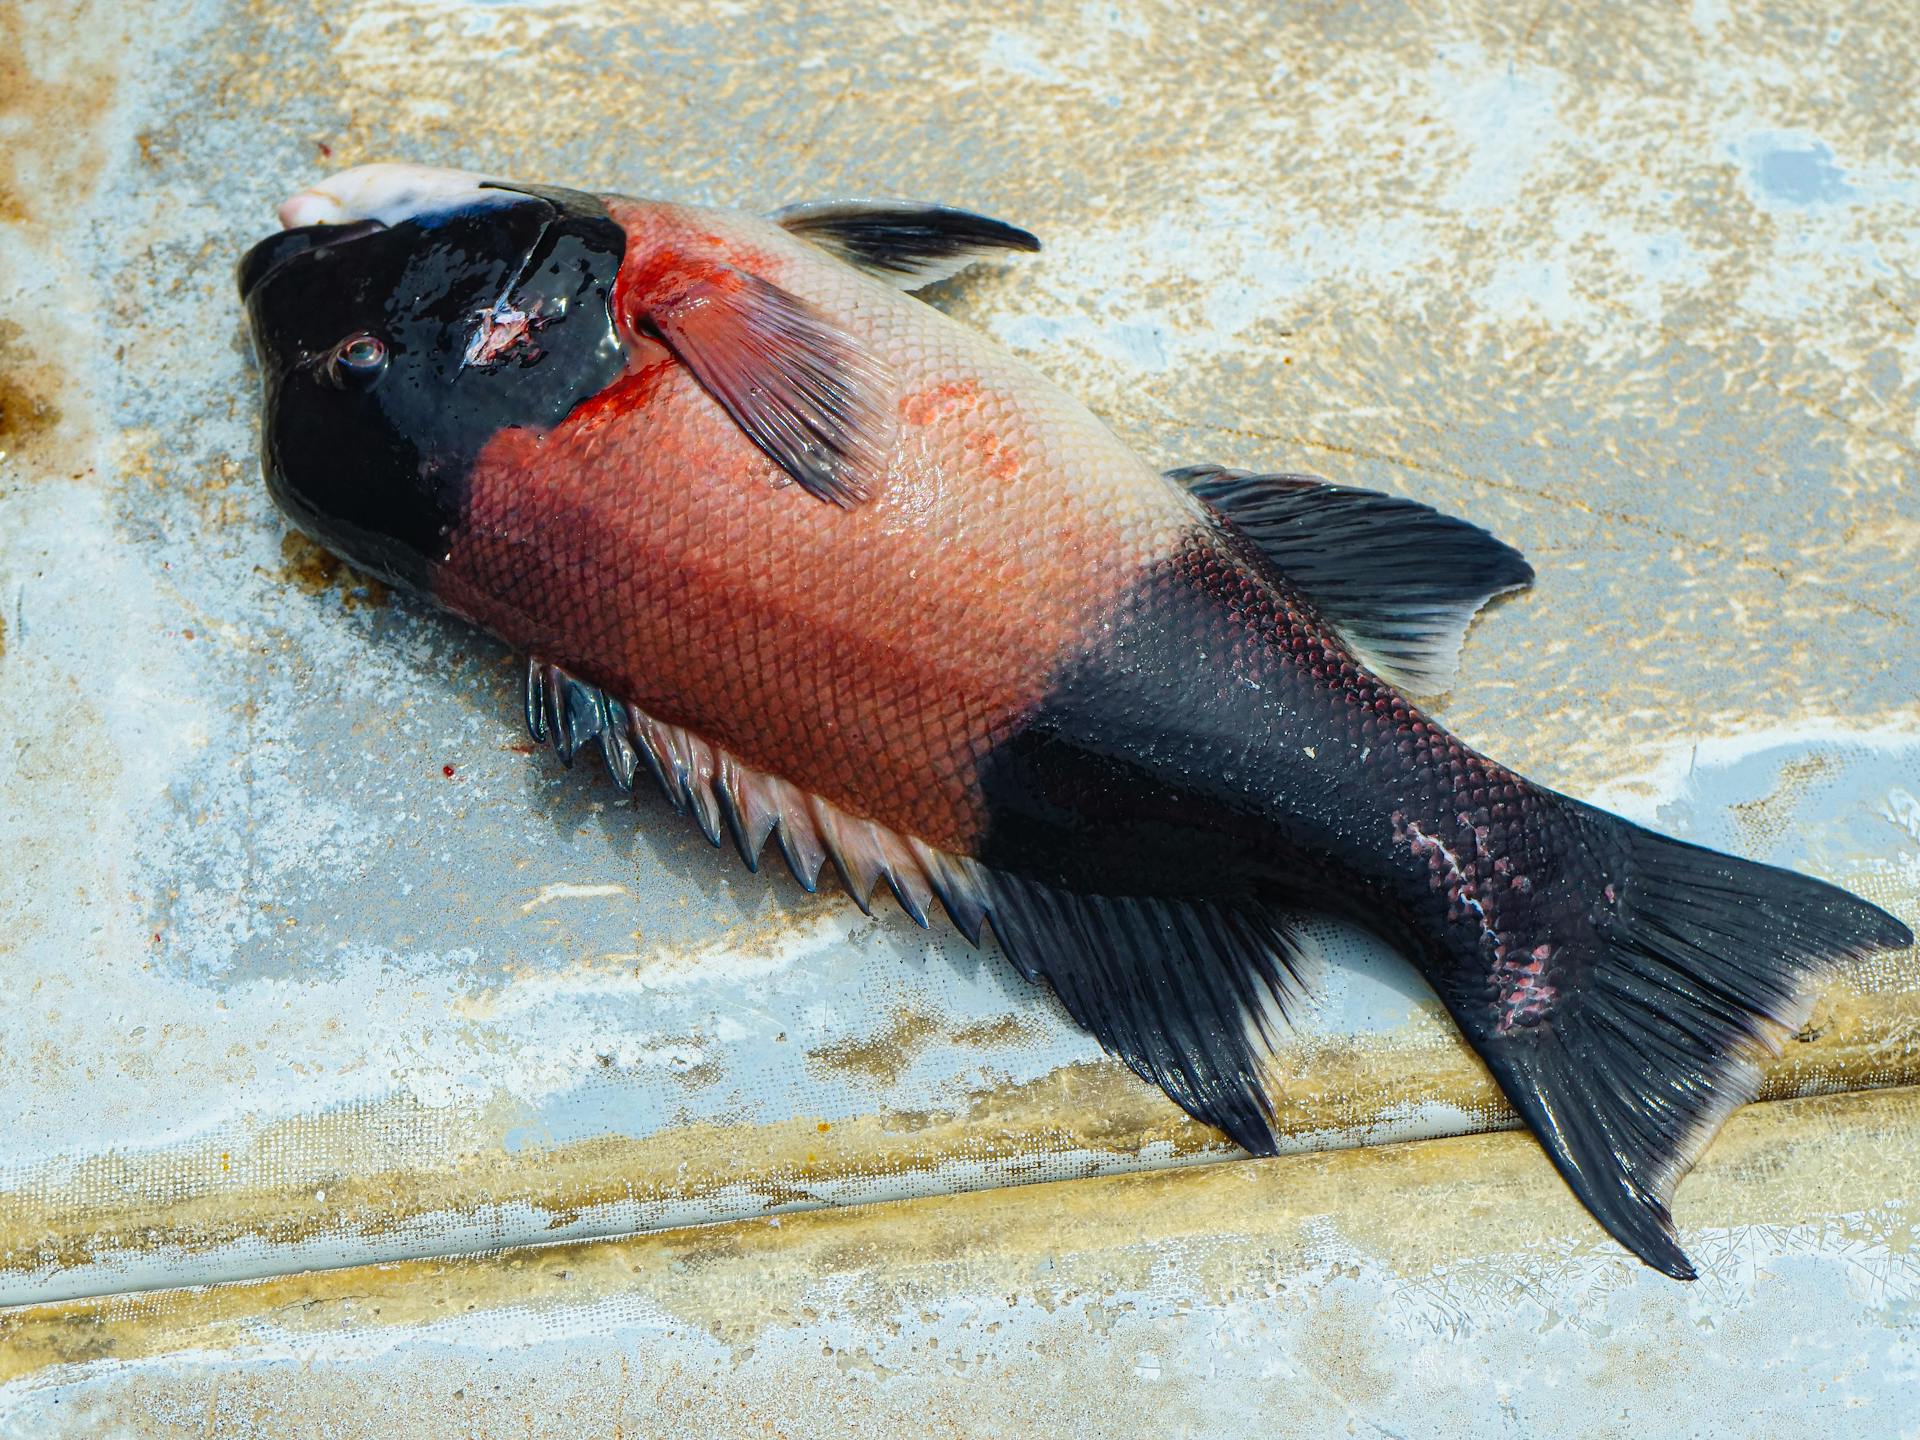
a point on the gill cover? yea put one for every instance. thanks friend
(390, 353)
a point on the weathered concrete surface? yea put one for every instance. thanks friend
(1637, 290)
(1441, 1287)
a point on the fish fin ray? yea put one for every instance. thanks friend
(814, 398)
(752, 809)
(1399, 580)
(728, 798)
(1649, 1015)
(1190, 994)
(903, 243)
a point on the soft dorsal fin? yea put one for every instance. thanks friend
(809, 394)
(1399, 580)
(903, 243)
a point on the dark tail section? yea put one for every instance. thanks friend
(1625, 1004)
(1627, 1044)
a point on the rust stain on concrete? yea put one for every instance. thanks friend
(59, 85)
(884, 1055)
(26, 413)
(312, 569)
(58, 82)
(985, 1034)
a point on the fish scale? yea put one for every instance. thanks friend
(681, 633)
(844, 576)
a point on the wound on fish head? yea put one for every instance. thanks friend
(404, 319)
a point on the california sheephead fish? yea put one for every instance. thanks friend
(841, 574)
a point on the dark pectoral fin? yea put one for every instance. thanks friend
(815, 398)
(1399, 580)
(908, 245)
(1188, 993)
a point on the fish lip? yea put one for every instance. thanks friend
(280, 249)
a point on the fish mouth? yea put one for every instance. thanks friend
(284, 247)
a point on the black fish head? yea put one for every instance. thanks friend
(429, 311)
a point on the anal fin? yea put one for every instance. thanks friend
(1189, 993)
(728, 798)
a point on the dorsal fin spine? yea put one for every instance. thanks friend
(901, 242)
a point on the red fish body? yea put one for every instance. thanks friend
(845, 575)
(902, 636)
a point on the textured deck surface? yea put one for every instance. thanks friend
(1637, 290)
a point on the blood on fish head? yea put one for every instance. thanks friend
(402, 318)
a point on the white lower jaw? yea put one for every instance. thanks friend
(389, 193)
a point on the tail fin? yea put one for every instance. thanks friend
(1696, 968)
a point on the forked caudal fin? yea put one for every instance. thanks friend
(1625, 1045)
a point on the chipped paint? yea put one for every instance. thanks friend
(562, 891)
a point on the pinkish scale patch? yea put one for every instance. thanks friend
(1525, 992)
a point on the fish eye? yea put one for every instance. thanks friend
(358, 357)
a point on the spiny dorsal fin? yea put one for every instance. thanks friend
(809, 394)
(1399, 580)
(903, 243)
